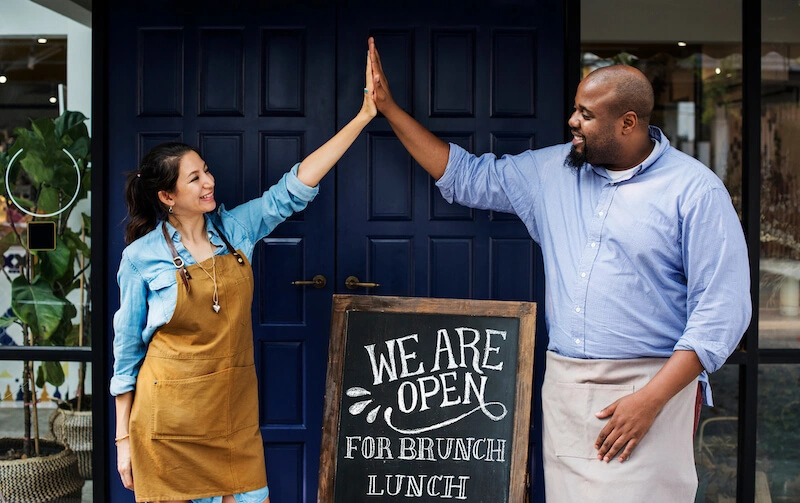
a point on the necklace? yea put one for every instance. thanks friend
(213, 276)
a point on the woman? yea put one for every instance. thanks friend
(183, 337)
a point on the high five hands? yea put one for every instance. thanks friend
(380, 88)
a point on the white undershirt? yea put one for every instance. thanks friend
(618, 174)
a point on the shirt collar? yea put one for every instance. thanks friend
(175, 235)
(661, 144)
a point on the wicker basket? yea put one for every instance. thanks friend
(75, 430)
(52, 477)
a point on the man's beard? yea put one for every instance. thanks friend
(576, 159)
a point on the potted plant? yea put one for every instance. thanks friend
(45, 174)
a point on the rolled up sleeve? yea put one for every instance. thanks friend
(289, 195)
(129, 323)
(718, 280)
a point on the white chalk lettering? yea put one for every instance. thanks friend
(492, 349)
(404, 357)
(382, 365)
(419, 486)
(443, 345)
(476, 357)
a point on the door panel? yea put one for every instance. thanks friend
(487, 76)
(253, 89)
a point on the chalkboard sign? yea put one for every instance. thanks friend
(427, 400)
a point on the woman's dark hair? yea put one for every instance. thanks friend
(158, 171)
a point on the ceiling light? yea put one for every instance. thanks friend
(681, 44)
(42, 40)
(3, 79)
(717, 70)
(53, 100)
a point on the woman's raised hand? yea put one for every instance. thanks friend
(368, 106)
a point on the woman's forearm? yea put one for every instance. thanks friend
(123, 404)
(319, 162)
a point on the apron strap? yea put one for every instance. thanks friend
(176, 259)
(228, 245)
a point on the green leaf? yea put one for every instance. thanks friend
(80, 147)
(7, 322)
(56, 263)
(49, 201)
(37, 306)
(73, 240)
(68, 120)
(51, 372)
(43, 128)
(34, 165)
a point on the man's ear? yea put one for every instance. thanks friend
(629, 122)
(166, 198)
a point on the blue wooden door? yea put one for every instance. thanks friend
(258, 85)
(486, 75)
(252, 85)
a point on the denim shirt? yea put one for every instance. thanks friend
(148, 287)
(638, 267)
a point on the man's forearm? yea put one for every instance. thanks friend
(680, 370)
(429, 151)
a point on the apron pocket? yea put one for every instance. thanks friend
(188, 409)
(575, 425)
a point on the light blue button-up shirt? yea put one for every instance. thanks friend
(147, 282)
(638, 267)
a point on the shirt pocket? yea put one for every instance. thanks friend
(191, 409)
(160, 286)
(576, 426)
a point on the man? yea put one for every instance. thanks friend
(647, 283)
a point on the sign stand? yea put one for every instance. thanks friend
(427, 399)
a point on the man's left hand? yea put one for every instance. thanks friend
(631, 419)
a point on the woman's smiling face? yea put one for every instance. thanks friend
(194, 189)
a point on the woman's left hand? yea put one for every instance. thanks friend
(368, 107)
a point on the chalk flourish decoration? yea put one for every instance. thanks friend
(359, 407)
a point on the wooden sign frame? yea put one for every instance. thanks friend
(342, 304)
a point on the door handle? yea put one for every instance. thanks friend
(318, 281)
(352, 283)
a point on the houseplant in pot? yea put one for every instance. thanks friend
(45, 174)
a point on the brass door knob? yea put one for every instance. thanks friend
(317, 281)
(352, 283)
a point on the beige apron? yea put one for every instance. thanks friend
(660, 469)
(194, 422)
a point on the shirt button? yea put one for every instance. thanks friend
(601, 213)
(583, 275)
(577, 341)
(593, 245)
(577, 310)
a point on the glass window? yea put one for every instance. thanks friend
(778, 448)
(716, 440)
(45, 223)
(779, 261)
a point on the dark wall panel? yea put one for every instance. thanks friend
(283, 67)
(221, 72)
(513, 73)
(161, 69)
(453, 73)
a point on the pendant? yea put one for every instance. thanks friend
(216, 308)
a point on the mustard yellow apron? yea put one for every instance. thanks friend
(194, 422)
